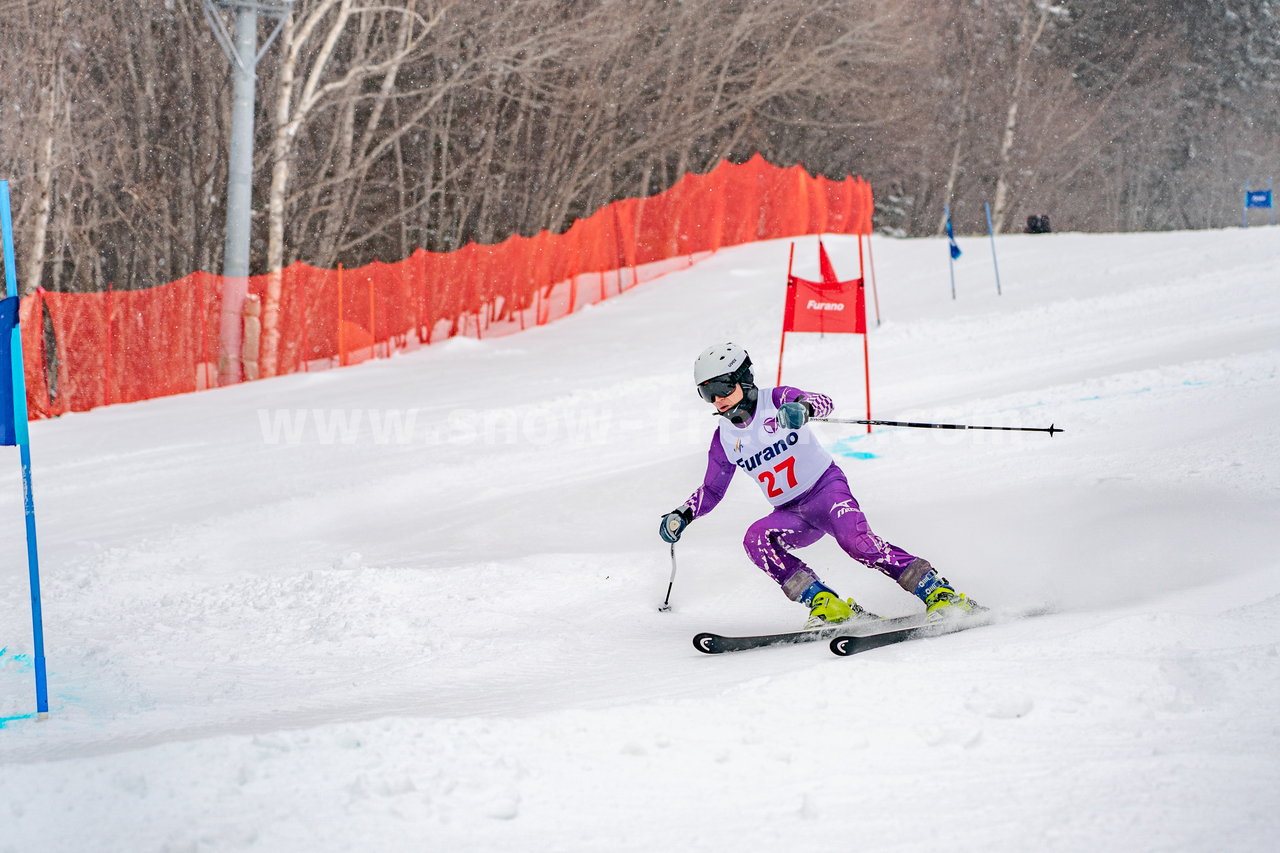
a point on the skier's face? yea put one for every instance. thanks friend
(724, 404)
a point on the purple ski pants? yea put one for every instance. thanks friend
(827, 508)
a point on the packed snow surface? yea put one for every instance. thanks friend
(412, 604)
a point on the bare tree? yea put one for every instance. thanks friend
(313, 71)
(1032, 20)
(434, 123)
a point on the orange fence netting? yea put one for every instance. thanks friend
(92, 349)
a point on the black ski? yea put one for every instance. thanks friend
(850, 638)
(854, 641)
(714, 644)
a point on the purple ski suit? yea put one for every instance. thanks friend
(825, 507)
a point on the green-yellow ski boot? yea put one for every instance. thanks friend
(943, 602)
(827, 608)
(941, 599)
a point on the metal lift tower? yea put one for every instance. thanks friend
(240, 43)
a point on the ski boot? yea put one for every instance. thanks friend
(943, 601)
(826, 608)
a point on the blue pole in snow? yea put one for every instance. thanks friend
(1244, 215)
(992, 233)
(23, 440)
(951, 258)
(6, 233)
(33, 556)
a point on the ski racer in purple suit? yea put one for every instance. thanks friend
(764, 433)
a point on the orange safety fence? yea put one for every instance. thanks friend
(92, 349)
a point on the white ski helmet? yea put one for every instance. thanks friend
(726, 360)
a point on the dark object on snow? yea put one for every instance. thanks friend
(1038, 225)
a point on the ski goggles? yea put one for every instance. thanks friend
(717, 386)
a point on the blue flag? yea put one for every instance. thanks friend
(951, 239)
(1258, 198)
(13, 386)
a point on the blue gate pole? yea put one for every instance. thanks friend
(33, 559)
(992, 233)
(1244, 215)
(23, 441)
(6, 240)
(951, 261)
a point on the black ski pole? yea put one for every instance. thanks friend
(1051, 429)
(666, 602)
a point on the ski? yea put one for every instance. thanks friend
(715, 644)
(854, 641)
(850, 638)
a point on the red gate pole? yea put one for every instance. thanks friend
(786, 312)
(875, 291)
(866, 369)
(866, 350)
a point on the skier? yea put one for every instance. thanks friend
(764, 433)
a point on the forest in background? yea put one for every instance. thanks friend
(383, 127)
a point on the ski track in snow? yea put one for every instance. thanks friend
(273, 624)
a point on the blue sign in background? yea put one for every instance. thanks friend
(1257, 198)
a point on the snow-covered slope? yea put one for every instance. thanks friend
(411, 605)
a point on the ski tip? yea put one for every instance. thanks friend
(843, 646)
(705, 643)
